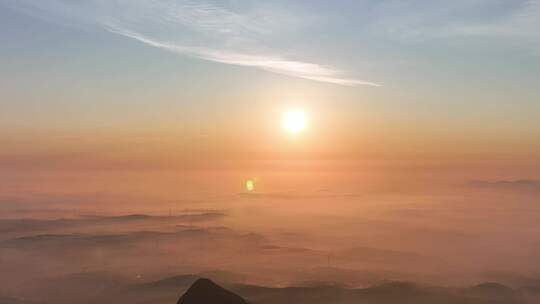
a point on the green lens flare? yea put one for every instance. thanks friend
(250, 185)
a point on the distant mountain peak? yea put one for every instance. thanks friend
(491, 289)
(204, 283)
(204, 291)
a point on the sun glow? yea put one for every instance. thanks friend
(294, 121)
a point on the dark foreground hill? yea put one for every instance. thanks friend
(204, 291)
(103, 288)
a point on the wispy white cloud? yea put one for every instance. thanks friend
(231, 37)
(235, 32)
(263, 35)
(523, 22)
(277, 65)
(414, 21)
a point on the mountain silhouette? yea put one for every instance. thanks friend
(494, 291)
(204, 291)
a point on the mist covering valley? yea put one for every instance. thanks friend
(324, 237)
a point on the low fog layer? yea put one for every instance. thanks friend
(337, 237)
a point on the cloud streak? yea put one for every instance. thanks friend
(273, 64)
(235, 33)
(506, 22)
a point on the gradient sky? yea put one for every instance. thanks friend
(423, 137)
(150, 83)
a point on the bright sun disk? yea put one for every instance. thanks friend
(294, 121)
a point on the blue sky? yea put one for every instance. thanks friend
(316, 39)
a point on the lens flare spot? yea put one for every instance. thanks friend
(250, 185)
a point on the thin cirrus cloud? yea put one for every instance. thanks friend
(277, 65)
(523, 22)
(228, 33)
(460, 20)
(218, 34)
(224, 32)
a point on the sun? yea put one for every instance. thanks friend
(294, 121)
